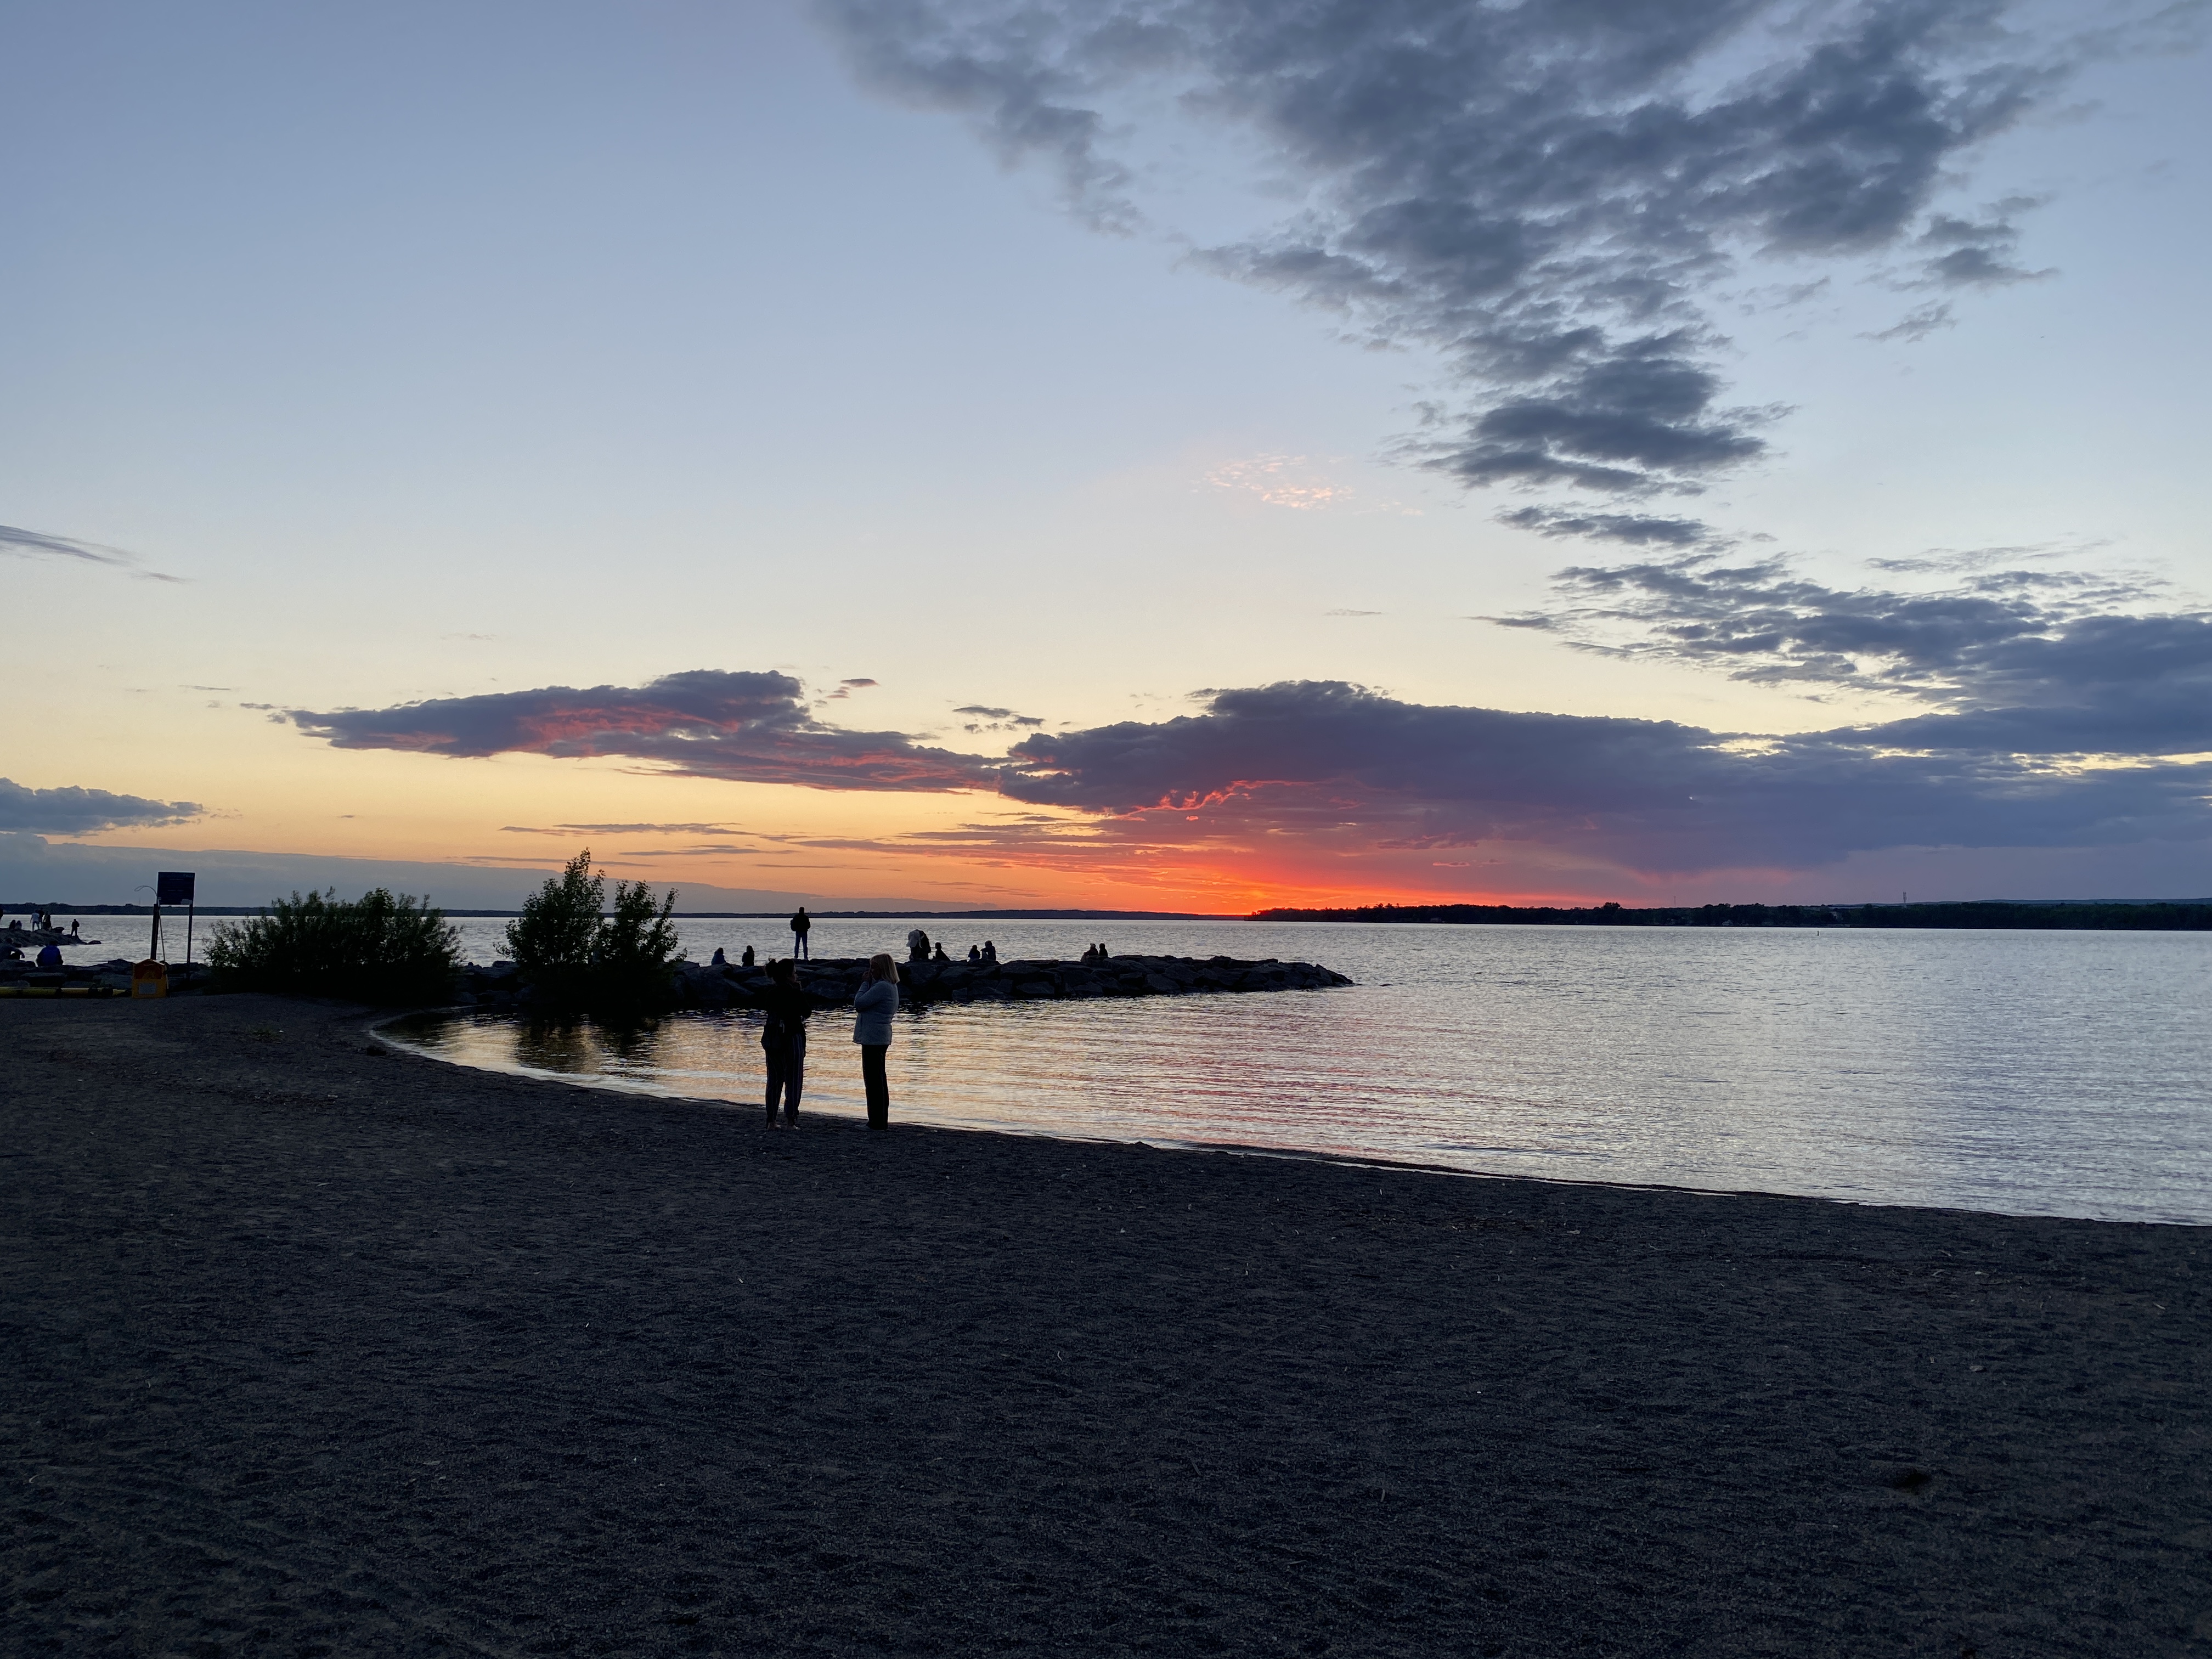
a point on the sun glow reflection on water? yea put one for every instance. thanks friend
(2048, 1073)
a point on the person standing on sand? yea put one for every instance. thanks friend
(873, 1005)
(800, 923)
(783, 1040)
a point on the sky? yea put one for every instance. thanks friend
(1147, 455)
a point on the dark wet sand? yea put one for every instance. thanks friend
(313, 1350)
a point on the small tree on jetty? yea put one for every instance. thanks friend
(577, 956)
(383, 948)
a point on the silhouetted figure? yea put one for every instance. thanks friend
(917, 946)
(50, 956)
(720, 960)
(73, 933)
(1090, 953)
(801, 923)
(975, 955)
(1104, 955)
(990, 951)
(747, 960)
(939, 955)
(873, 1005)
(783, 1041)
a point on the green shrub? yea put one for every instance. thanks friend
(381, 948)
(575, 955)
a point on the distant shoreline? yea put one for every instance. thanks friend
(55, 908)
(2124, 915)
(2158, 915)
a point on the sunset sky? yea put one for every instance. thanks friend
(1143, 454)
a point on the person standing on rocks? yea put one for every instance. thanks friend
(873, 1005)
(800, 923)
(783, 1040)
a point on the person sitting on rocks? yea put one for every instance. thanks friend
(939, 954)
(1104, 955)
(917, 946)
(747, 960)
(990, 951)
(49, 955)
(720, 960)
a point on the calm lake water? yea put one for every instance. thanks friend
(2030, 1073)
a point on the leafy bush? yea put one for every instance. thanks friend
(381, 948)
(575, 956)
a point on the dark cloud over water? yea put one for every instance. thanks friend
(745, 727)
(2022, 660)
(1543, 193)
(70, 810)
(1323, 770)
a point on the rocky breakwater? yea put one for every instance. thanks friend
(833, 981)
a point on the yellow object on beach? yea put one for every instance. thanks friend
(149, 979)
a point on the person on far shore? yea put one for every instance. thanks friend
(800, 923)
(873, 1005)
(783, 1041)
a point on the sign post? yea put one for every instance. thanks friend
(175, 887)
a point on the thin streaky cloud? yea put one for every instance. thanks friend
(35, 544)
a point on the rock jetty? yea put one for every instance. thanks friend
(834, 981)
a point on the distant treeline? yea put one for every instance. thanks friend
(2165, 918)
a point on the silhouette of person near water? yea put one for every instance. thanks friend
(800, 924)
(990, 951)
(873, 1005)
(917, 946)
(783, 1041)
(747, 960)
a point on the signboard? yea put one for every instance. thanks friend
(172, 887)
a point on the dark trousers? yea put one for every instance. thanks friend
(877, 1086)
(799, 953)
(786, 1075)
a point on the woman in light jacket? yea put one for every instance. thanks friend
(873, 1005)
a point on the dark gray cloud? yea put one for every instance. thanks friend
(1543, 193)
(74, 811)
(988, 719)
(2027, 661)
(1636, 529)
(1335, 769)
(33, 544)
(744, 726)
(1978, 253)
(1338, 775)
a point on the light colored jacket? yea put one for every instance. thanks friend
(874, 1004)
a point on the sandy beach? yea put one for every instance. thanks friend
(312, 1347)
